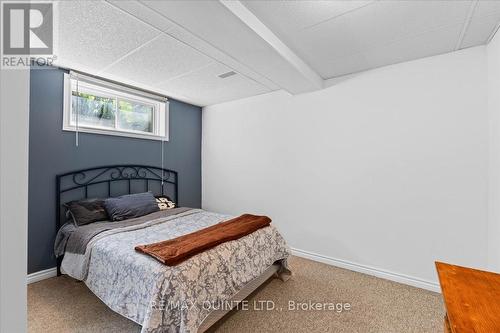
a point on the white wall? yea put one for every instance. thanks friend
(493, 54)
(387, 169)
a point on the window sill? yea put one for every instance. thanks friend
(115, 133)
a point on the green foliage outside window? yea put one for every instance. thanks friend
(101, 111)
(94, 110)
(135, 116)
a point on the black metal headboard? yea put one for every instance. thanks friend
(114, 180)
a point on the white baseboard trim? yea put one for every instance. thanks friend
(396, 277)
(42, 275)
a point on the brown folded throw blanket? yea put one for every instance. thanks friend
(174, 251)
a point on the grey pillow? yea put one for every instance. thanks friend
(86, 211)
(130, 206)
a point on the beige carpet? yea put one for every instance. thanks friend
(65, 305)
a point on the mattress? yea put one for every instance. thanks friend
(182, 298)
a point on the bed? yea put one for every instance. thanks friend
(188, 297)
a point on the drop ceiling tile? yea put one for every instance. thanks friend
(94, 33)
(486, 8)
(161, 22)
(424, 45)
(334, 67)
(296, 15)
(484, 21)
(214, 53)
(193, 16)
(205, 87)
(480, 29)
(371, 26)
(387, 21)
(158, 61)
(143, 13)
(314, 45)
(293, 20)
(214, 23)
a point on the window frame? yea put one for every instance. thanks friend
(160, 116)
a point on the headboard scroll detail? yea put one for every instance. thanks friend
(159, 181)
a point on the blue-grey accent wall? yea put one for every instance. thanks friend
(53, 151)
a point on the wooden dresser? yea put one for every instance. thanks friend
(472, 299)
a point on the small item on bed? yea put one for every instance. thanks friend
(164, 203)
(130, 206)
(174, 251)
(86, 211)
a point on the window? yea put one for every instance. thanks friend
(97, 106)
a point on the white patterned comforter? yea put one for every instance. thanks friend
(176, 298)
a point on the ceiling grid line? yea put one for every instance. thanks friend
(337, 16)
(181, 41)
(109, 2)
(466, 25)
(186, 73)
(179, 48)
(493, 33)
(129, 53)
(165, 32)
(254, 23)
(394, 41)
(219, 50)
